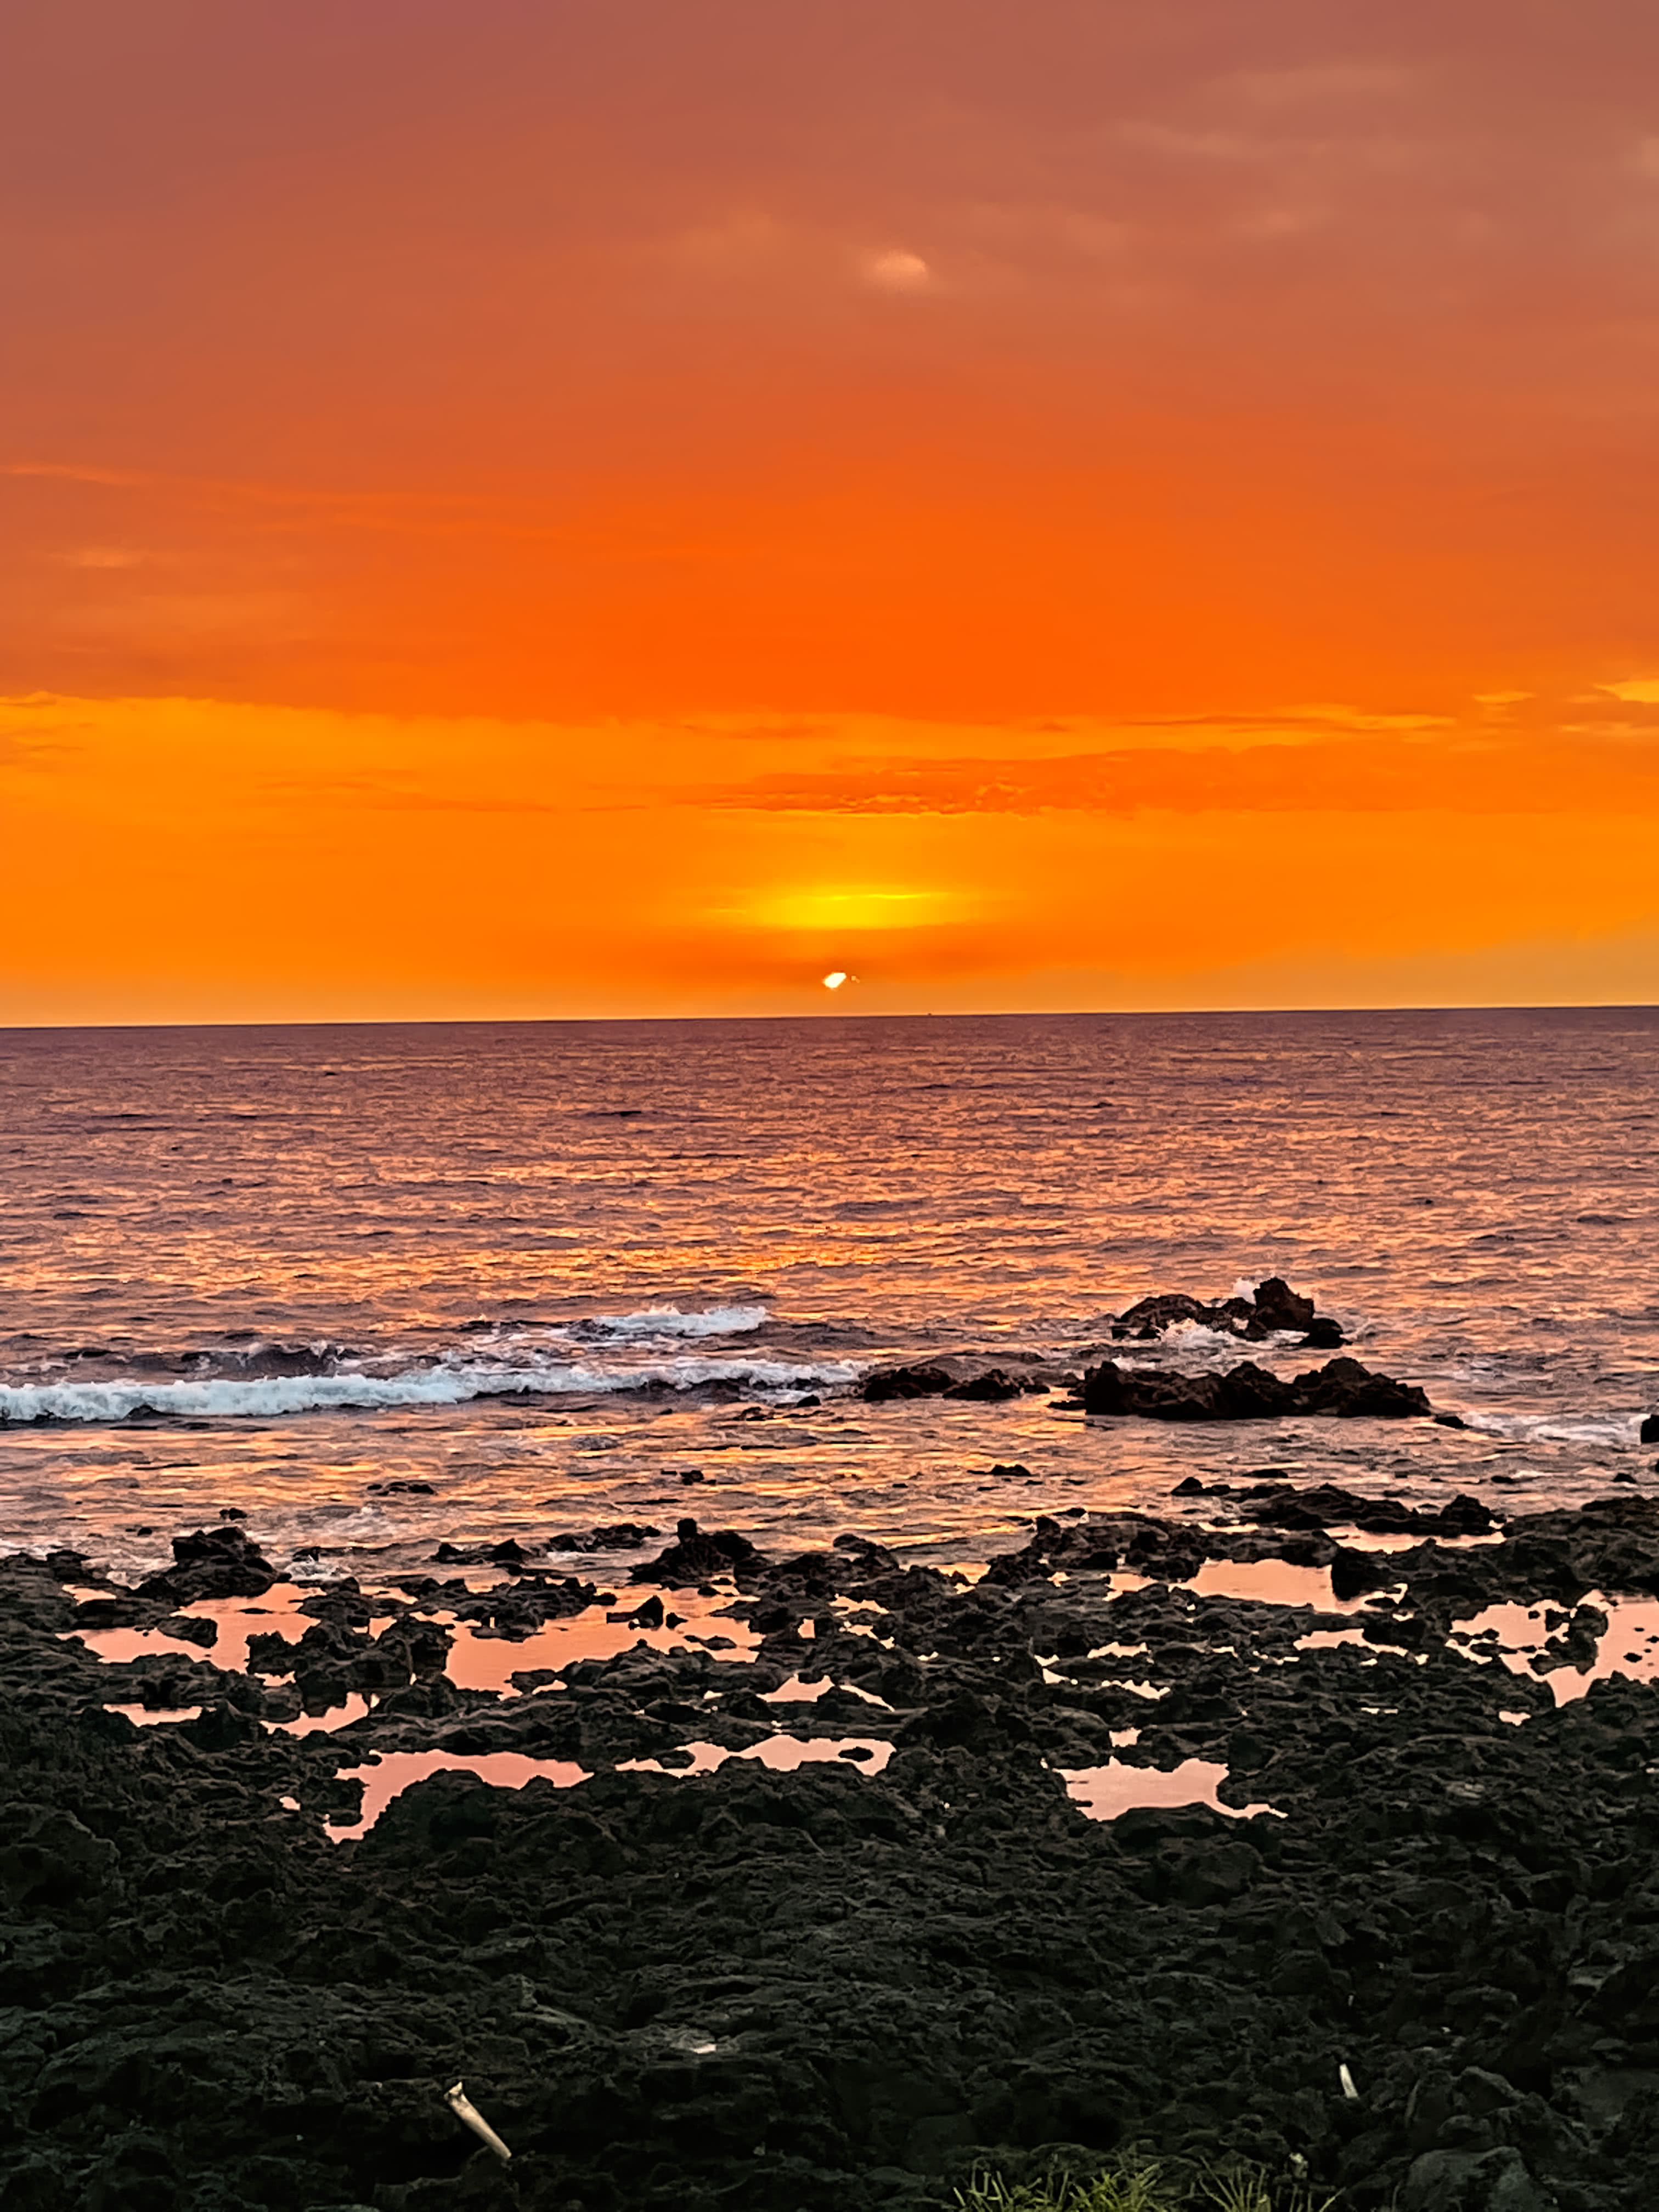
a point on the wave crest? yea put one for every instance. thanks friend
(221, 1398)
(670, 1320)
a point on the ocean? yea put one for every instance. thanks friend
(548, 1271)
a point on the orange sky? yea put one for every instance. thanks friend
(627, 506)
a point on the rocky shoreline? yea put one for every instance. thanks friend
(841, 1984)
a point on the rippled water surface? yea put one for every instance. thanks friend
(546, 1269)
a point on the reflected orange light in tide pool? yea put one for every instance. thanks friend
(537, 511)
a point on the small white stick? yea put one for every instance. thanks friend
(470, 2117)
(1346, 2080)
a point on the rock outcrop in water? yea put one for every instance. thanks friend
(837, 1991)
(1275, 1309)
(1248, 1392)
(222, 1562)
(929, 1380)
(1341, 1387)
(694, 1557)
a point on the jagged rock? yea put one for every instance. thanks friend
(1278, 1307)
(222, 1562)
(1274, 1310)
(889, 1382)
(614, 1536)
(1342, 1388)
(993, 1385)
(694, 1557)
(832, 1988)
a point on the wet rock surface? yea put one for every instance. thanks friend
(1342, 1388)
(1273, 1309)
(828, 1988)
(960, 1377)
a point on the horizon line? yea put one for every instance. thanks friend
(952, 1014)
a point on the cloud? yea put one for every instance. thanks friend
(897, 271)
(1356, 776)
(32, 745)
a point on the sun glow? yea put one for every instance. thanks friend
(853, 907)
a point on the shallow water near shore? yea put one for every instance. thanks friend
(536, 1274)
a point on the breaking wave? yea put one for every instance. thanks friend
(270, 1397)
(669, 1320)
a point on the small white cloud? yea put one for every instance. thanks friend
(898, 272)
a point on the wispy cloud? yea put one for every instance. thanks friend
(1369, 776)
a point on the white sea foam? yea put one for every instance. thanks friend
(669, 1320)
(270, 1397)
(1555, 1429)
(1193, 1336)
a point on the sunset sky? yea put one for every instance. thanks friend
(589, 506)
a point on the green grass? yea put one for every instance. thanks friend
(1142, 2188)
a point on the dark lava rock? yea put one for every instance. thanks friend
(190, 1628)
(614, 1537)
(519, 1608)
(1342, 1388)
(222, 1562)
(1329, 1506)
(1354, 1572)
(889, 1382)
(694, 1557)
(1278, 1307)
(1275, 1309)
(1648, 1432)
(830, 1990)
(509, 1553)
(993, 1385)
(1150, 1317)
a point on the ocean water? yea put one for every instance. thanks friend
(547, 1269)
